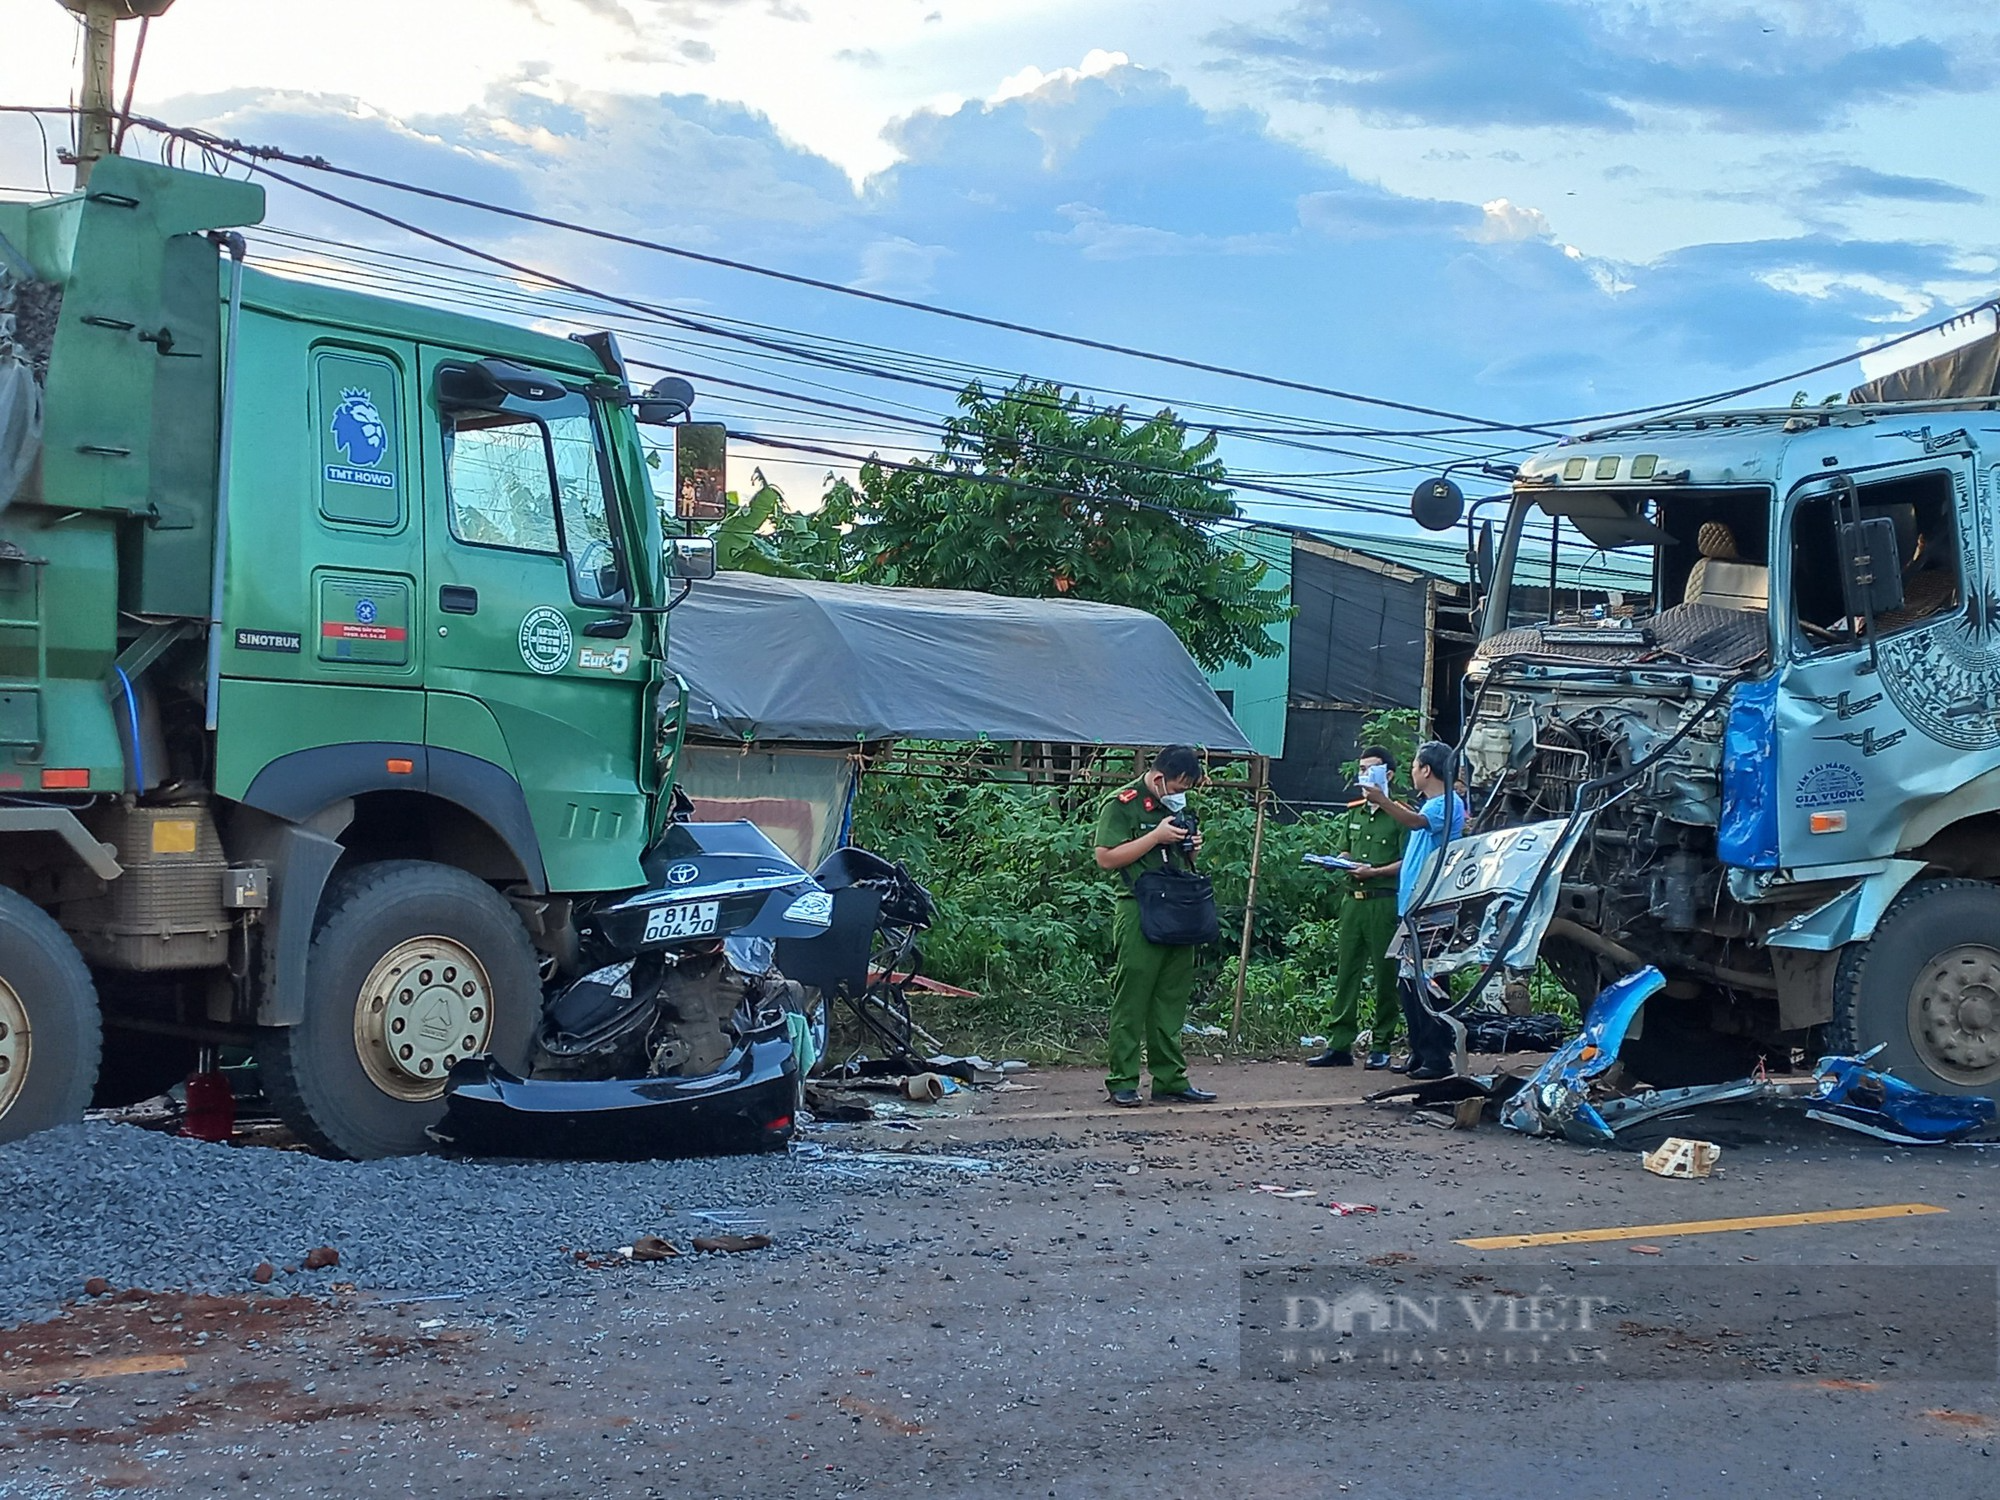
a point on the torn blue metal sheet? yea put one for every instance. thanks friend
(1649, 1104)
(1556, 1100)
(1850, 1093)
(1851, 916)
(1748, 835)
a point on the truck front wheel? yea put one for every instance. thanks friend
(50, 1032)
(1927, 984)
(413, 966)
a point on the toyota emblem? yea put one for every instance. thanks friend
(682, 874)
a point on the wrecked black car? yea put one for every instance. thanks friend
(668, 1029)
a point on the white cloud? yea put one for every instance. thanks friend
(1906, 302)
(1032, 80)
(898, 265)
(1505, 223)
(1875, 364)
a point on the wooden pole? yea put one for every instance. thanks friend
(1249, 902)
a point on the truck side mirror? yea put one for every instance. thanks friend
(667, 399)
(1873, 564)
(691, 557)
(1482, 558)
(701, 470)
(1436, 504)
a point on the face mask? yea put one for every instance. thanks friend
(1173, 801)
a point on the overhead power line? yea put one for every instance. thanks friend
(259, 157)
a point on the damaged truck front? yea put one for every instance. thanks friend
(1776, 779)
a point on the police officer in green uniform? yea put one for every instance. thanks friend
(1150, 990)
(1367, 925)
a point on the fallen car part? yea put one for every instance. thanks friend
(1568, 1095)
(1856, 1097)
(1555, 1101)
(733, 1244)
(1678, 1156)
(747, 1104)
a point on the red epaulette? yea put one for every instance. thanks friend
(1128, 794)
(1147, 805)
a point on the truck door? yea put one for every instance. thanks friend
(535, 662)
(1877, 715)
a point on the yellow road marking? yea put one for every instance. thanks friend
(1703, 1226)
(34, 1377)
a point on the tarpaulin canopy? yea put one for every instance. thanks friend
(782, 659)
(1969, 370)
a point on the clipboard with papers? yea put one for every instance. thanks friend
(1335, 862)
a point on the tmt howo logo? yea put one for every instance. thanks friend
(360, 433)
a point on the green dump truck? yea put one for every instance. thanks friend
(332, 639)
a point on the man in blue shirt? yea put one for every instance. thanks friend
(1436, 821)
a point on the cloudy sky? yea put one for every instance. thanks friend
(1528, 210)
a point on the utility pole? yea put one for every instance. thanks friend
(96, 97)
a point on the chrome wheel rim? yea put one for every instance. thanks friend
(1955, 1014)
(16, 1044)
(426, 1004)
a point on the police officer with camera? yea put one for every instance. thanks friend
(1139, 827)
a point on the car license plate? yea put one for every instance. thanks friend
(690, 919)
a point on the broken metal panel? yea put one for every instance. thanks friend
(1485, 883)
(1854, 1095)
(1851, 915)
(1748, 835)
(1556, 1100)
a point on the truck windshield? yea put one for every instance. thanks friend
(1682, 573)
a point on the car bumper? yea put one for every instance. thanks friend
(745, 1105)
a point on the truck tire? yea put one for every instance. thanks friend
(1927, 984)
(413, 966)
(50, 1032)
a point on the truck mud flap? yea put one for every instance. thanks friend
(745, 1105)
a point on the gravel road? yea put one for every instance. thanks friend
(141, 1208)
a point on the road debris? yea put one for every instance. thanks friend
(1345, 1210)
(322, 1259)
(262, 1272)
(650, 1247)
(1581, 1093)
(731, 1244)
(1678, 1156)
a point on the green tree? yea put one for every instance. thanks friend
(1035, 494)
(765, 535)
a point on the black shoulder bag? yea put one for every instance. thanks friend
(1176, 907)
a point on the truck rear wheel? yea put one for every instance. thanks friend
(414, 966)
(1928, 984)
(50, 1033)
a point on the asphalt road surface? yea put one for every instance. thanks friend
(1069, 1322)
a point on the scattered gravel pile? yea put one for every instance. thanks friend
(139, 1208)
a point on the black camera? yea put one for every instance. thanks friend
(1188, 824)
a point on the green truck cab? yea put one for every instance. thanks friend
(332, 650)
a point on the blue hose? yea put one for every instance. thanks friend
(138, 749)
